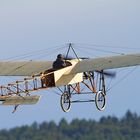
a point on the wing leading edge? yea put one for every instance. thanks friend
(28, 68)
(23, 68)
(103, 63)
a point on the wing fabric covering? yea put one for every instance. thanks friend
(23, 68)
(28, 68)
(103, 63)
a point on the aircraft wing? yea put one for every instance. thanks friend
(28, 68)
(23, 68)
(103, 63)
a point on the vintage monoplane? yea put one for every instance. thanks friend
(78, 73)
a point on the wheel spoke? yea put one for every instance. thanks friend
(100, 100)
(65, 102)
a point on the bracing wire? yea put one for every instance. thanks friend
(88, 53)
(34, 53)
(43, 55)
(100, 50)
(38, 55)
(122, 78)
(85, 47)
(109, 46)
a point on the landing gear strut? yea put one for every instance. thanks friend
(94, 82)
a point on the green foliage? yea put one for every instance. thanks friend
(107, 128)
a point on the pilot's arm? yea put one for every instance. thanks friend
(63, 64)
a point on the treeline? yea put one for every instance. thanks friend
(107, 128)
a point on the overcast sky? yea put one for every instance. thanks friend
(31, 25)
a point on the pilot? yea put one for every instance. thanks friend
(59, 63)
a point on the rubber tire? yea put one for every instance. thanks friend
(100, 108)
(68, 101)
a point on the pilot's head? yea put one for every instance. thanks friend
(60, 56)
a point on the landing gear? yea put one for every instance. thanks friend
(94, 83)
(65, 102)
(100, 100)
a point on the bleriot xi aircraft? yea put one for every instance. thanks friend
(72, 74)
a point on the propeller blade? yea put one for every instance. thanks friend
(110, 74)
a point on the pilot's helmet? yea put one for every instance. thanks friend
(60, 56)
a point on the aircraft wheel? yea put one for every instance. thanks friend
(100, 101)
(65, 102)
